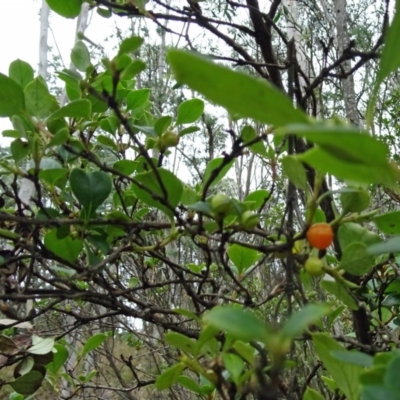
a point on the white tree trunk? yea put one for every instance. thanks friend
(44, 33)
(343, 41)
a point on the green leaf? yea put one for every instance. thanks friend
(59, 358)
(80, 56)
(65, 248)
(245, 350)
(354, 357)
(354, 200)
(352, 232)
(109, 124)
(76, 109)
(155, 196)
(357, 172)
(247, 134)
(258, 197)
(345, 375)
(67, 9)
(189, 111)
(238, 322)
(134, 68)
(390, 58)
(126, 167)
(211, 171)
(42, 346)
(39, 102)
(60, 137)
(21, 72)
(251, 97)
(19, 149)
(234, 364)
(12, 99)
(169, 377)
(189, 384)
(51, 176)
(90, 188)
(389, 222)
(27, 384)
(377, 393)
(390, 246)
(295, 171)
(107, 141)
(93, 343)
(343, 142)
(137, 98)
(340, 292)
(242, 257)
(162, 124)
(302, 319)
(130, 45)
(181, 342)
(311, 394)
(391, 378)
(356, 260)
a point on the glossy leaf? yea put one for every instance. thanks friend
(80, 56)
(388, 223)
(237, 322)
(295, 171)
(90, 188)
(12, 99)
(352, 232)
(189, 111)
(67, 9)
(60, 357)
(76, 109)
(21, 72)
(251, 97)
(42, 346)
(39, 102)
(137, 98)
(234, 364)
(354, 357)
(65, 248)
(211, 171)
(356, 260)
(347, 170)
(248, 134)
(130, 45)
(19, 149)
(354, 200)
(302, 319)
(27, 384)
(390, 246)
(345, 375)
(242, 257)
(169, 377)
(189, 384)
(93, 343)
(340, 292)
(258, 198)
(155, 196)
(311, 394)
(181, 342)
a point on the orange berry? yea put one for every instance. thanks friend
(320, 235)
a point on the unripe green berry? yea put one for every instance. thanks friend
(314, 266)
(249, 220)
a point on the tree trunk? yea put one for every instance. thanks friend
(343, 42)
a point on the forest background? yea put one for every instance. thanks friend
(203, 204)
